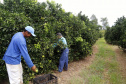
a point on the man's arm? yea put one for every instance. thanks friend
(54, 45)
(26, 56)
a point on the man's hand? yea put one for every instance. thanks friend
(33, 68)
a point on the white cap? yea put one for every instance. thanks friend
(30, 29)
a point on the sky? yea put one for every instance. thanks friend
(112, 9)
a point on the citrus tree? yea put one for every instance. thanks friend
(47, 18)
(117, 34)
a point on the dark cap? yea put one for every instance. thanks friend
(59, 34)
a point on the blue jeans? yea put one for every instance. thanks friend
(63, 62)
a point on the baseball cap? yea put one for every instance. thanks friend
(59, 34)
(30, 29)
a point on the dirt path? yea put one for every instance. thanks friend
(75, 68)
(121, 58)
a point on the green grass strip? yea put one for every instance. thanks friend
(103, 70)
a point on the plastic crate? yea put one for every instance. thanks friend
(45, 79)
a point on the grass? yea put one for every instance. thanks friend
(103, 70)
(76, 80)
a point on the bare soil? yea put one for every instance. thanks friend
(75, 68)
(121, 58)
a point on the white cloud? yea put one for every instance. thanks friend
(1, 1)
(112, 9)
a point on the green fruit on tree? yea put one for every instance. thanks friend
(36, 70)
(32, 74)
(43, 56)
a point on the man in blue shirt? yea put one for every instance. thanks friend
(12, 56)
(63, 62)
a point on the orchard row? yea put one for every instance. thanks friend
(47, 19)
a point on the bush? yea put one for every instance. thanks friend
(116, 34)
(47, 19)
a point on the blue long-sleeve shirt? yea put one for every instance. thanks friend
(16, 49)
